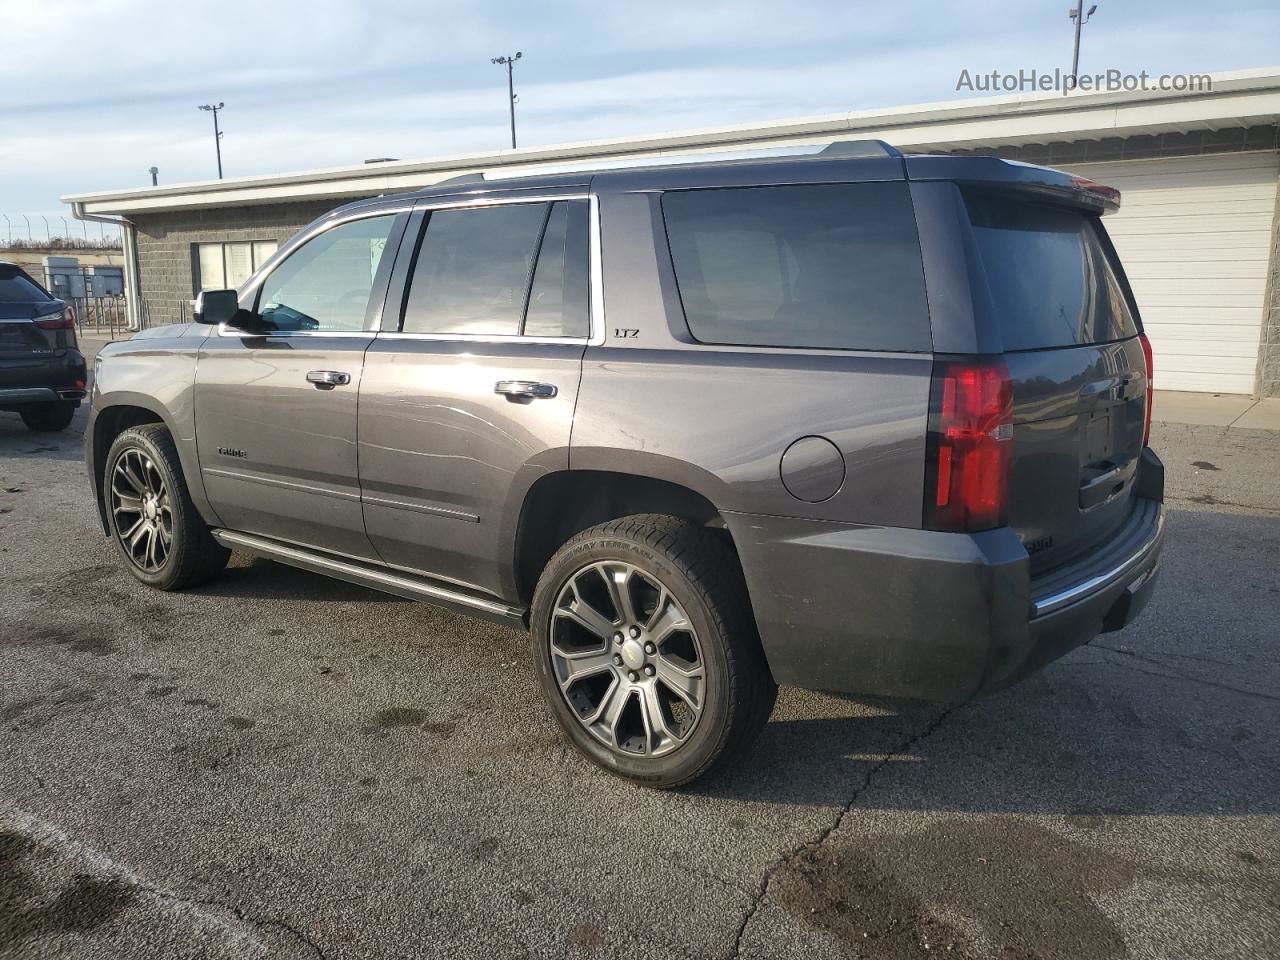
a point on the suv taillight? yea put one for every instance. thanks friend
(65, 320)
(969, 445)
(1151, 369)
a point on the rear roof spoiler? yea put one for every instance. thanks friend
(1054, 186)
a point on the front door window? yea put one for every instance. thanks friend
(324, 285)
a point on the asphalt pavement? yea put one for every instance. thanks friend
(281, 765)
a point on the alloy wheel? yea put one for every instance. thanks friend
(141, 510)
(627, 659)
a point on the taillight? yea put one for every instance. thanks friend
(970, 444)
(1151, 369)
(66, 320)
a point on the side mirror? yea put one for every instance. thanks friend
(217, 307)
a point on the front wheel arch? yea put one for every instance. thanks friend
(109, 423)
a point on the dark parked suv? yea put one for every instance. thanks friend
(42, 371)
(857, 422)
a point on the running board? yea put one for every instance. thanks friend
(388, 581)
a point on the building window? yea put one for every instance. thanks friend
(224, 266)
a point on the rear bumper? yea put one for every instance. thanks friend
(931, 616)
(43, 380)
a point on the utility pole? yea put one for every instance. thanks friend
(217, 134)
(155, 172)
(1074, 14)
(509, 63)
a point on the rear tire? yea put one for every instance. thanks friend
(687, 688)
(49, 417)
(164, 541)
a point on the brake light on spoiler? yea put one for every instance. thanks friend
(970, 442)
(1107, 197)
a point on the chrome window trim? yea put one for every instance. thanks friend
(595, 296)
(288, 249)
(595, 273)
(476, 337)
(225, 331)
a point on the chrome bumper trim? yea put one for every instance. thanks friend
(1078, 591)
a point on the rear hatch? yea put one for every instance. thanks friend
(34, 327)
(1079, 372)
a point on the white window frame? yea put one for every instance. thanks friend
(254, 263)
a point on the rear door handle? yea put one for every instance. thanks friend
(525, 390)
(328, 379)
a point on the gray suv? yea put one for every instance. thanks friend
(859, 422)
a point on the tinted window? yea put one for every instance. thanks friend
(1050, 280)
(325, 284)
(17, 287)
(473, 270)
(813, 266)
(558, 297)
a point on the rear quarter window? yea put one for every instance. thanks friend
(1051, 281)
(833, 266)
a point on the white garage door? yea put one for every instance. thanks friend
(1194, 234)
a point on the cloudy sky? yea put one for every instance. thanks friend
(93, 92)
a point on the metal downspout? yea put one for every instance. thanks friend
(128, 238)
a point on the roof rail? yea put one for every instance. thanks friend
(461, 178)
(860, 148)
(839, 149)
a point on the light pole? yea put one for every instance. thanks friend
(155, 172)
(509, 63)
(1074, 14)
(217, 134)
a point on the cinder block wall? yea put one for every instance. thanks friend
(165, 247)
(1269, 349)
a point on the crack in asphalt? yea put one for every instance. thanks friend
(241, 915)
(1209, 500)
(762, 888)
(53, 837)
(1173, 674)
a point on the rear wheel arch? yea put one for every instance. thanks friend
(561, 505)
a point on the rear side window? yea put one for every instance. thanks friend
(509, 270)
(17, 287)
(558, 297)
(830, 266)
(1050, 279)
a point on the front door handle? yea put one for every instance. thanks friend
(328, 379)
(525, 389)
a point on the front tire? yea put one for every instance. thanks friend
(647, 652)
(49, 417)
(157, 529)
